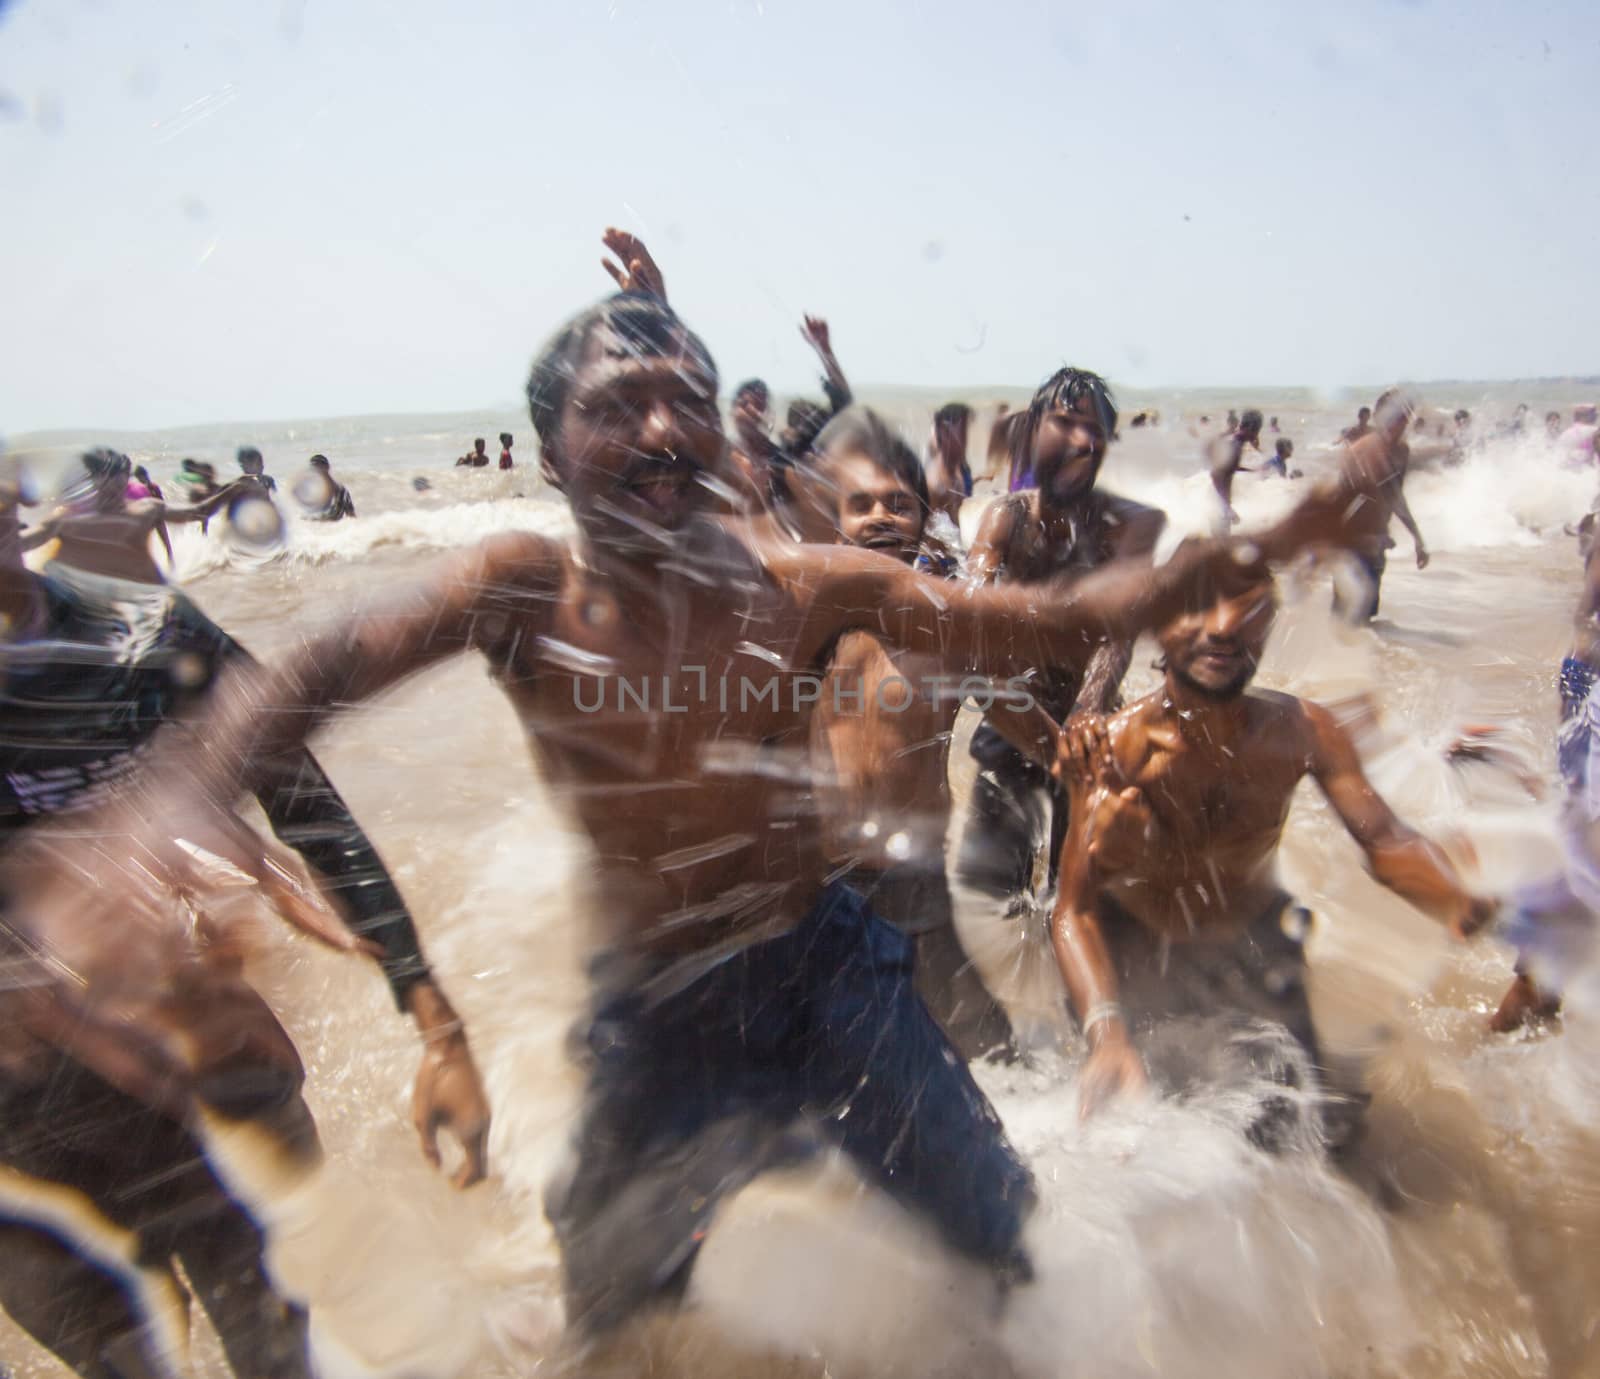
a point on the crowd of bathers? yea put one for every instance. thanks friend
(744, 676)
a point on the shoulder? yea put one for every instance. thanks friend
(1003, 517)
(1131, 523)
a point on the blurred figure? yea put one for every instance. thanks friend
(1170, 904)
(506, 462)
(1362, 427)
(105, 533)
(1373, 470)
(805, 418)
(1576, 443)
(1225, 458)
(141, 485)
(326, 499)
(949, 475)
(477, 457)
(198, 480)
(253, 469)
(1552, 428)
(752, 453)
(1066, 526)
(107, 1186)
(1278, 463)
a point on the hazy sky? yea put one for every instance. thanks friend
(259, 210)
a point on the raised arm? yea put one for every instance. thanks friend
(986, 561)
(814, 330)
(1401, 858)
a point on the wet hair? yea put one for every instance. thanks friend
(141, 474)
(318, 461)
(1389, 399)
(105, 463)
(249, 452)
(506, 438)
(752, 385)
(642, 325)
(1462, 414)
(953, 414)
(1285, 447)
(1065, 388)
(859, 430)
(1250, 421)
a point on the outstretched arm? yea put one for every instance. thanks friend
(1401, 858)
(1402, 510)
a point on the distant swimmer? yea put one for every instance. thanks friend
(1362, 427)
(323, 496)
(1062, 529)
(506, 462)
(745, 1001)
(1272, 425)
(1225, 458)
(477, 457)
(886, 742)
(1552, 428)
(1374, 472)
(949, 474)
(1170, 903)
(1576, 443)
(252, 469)
(1278, 464)
(198, 480)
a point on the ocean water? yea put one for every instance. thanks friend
(1459, 1241)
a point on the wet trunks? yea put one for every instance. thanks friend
(1013, 809)
(1362, 605)
(695, 1086)
(916, 901)
(1578, 738)
(1251, 988)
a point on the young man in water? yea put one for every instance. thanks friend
(882, 727)
(337, 504)
(1225, 458)
(664, 665)
(1373, 469)
(506, 462)
(949, 475)
(105, 1185)
(1169, 902)
(1066, 526)
(253, 470)
(1363, 426)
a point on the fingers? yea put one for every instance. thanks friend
(475, 1142)
(616, 272)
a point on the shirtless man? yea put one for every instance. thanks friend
(1363, 427)
(1225, 458)
(664, 665)
(883, 726)
(109, 535)
(1065, 526)
(104, 1181)
(1169, 901)
(1374, 471)
(949, 475)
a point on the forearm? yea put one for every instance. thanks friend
(1086, 968)
(1418, 871)
(1102, 681)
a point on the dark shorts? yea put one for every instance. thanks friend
(1362, 606)
(816, 1036)
(1250, 993)
(1015, 809)
(916, 901)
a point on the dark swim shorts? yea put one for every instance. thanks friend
(693, 1089)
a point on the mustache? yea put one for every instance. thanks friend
(655, 464)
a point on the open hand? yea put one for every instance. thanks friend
(637, 271)
(1113, 1069)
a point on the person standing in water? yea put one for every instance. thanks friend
(1169, 903)
(506, 462)
(1225, 458)
(949, 475)
(329, 500)
(1374, 471)
(739, 990)
(1363, 426)
(1065, 527)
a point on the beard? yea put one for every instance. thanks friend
(1220, 693)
